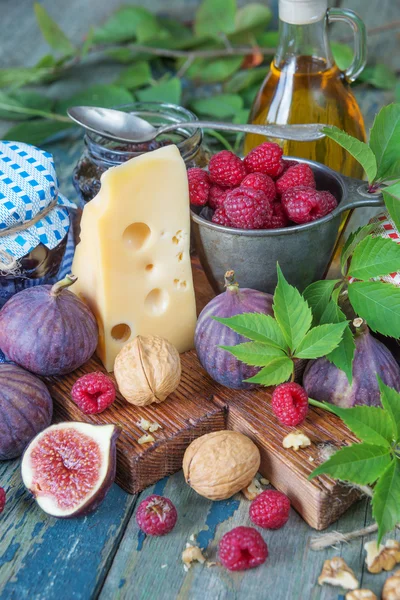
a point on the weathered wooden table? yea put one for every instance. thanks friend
(105, 555)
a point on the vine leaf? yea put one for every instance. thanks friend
(52, 33)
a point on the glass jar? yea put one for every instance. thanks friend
(102, 153)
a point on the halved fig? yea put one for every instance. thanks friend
(69, 467)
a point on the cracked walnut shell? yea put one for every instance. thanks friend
(147, 370)
(391, 588)
(384, 558)
(336, 572)
(220, 464)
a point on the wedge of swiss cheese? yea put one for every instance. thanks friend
(133, 261)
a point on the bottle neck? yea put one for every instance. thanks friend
(304, 47)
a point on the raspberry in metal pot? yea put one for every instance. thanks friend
(259, 181)
(247, 208)
(300, 174)
(226, 169)
(199, 186)
(304, 204)
(265, 158)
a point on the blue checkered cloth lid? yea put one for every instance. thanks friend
(32, 210)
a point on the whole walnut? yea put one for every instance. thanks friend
(220, 464)
(147, 370)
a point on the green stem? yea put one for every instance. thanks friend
(58, 287)
(322, 405)
(220, 138)
(35, 112)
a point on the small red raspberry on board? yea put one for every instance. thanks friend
(290, 403)
(217, 195)
(221, 218)
(331, 202)
(265, 158)
(270, 510)
(93, 392)
(156, 515)
(247, 208)
(262, 182)
(278, 219)
(226, 169)
(199, 186)
(304, 204)
(2, 499)
(242, 548)
(298, 175)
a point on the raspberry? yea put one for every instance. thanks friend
(2, 499)
(290, 403)
(304, 204)
(156, 515)
(247, 208)
(226, 169)
(259, 181)
(270, 509)
(217, 195)
(287, 164)
(199, 186)
(298, 175)
(220, 217)
(331, 202)
(278, 219)
(93, 392)
(242, 548)
(265, 158)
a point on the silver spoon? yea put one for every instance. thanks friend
(126, 127)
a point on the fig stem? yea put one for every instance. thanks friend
(230, 281)
(360, 326)
(58, 287)
(322, 405)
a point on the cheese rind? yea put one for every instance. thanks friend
(133, 260)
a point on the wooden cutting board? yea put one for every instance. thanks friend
(200, 406)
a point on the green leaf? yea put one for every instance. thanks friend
(343, 55)
(123, 25)
(385, 501)
(391, 196)
(354, 238)
(214, 17)
(243, 79)
(166, 91)
(385, 142)
(342, 356)
(257, 327)
(121, 55)
(88, 42)
(379, 304)
(254, 354)
(360, 150)
(291, 311)
(18, 76)
(374, 257)
(380, 76)
(135, 76)
(220, 107)
(277, 371)
(320, 340)
(214, 70)
(97, 95)
(22, 99)
(51, 32)
(252, 17)
(370, 424)
(390, 399)
(358, 463)
(35, 132)
(318, 295)
(268, 39)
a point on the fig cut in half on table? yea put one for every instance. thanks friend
(69, 467)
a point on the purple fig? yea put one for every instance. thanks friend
(69, 467)
(325, 382)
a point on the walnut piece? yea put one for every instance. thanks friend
(391, 588)
(154, 427)
(190, 554)
(147, 370)
(361, 595)
(146, 439)
(253, 490)
(144, 424)
(336, 572)
(296, 440)
(220, 464)
(383, 558)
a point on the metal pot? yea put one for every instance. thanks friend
(303, 251)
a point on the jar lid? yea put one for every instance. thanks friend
(32, 210)
(302, 12)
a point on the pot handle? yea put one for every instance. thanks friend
(357, 195)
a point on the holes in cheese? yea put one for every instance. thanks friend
(136, 235)
(177, 237)
(180, 284)
(156, 302)
(121, 332)
(180, 256)
(149, 267)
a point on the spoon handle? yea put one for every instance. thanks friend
(299, 133)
